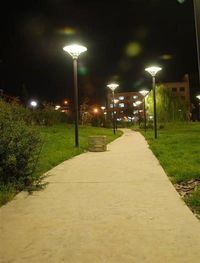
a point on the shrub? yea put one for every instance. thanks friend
(48, 116)
(19, 145)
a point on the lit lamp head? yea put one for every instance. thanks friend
(144, 92)
(33, 103)
(113, 86)
(75, 50)
(116, 101)
(57, 107)
(95, 110)
(198, 97)
(153, 70)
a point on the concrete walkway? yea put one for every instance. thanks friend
(112, 207)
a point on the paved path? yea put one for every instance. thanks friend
(112, 207)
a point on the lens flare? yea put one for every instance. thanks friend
(133, 49)
(67, 31)
(180, 1)
(166, 57)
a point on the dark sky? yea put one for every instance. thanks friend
(122, 37)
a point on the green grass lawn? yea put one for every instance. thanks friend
(178, 150)
(58, 143)
(58, 146)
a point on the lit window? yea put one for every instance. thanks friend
(121, 105)
(111, 105)
(121, 97)
(135, 97)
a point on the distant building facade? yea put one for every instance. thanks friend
(180, 89)
(129, 105)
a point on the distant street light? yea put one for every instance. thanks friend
(144, 94)
(57, 107)
(153, 71)
(33, 104)
(112, 87)
(75, 51)
(198, 97)
(95, 110)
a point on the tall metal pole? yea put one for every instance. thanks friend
(199, 111)
(145, 117)
(76, 101)
(197, 28)
(154, 106)
(113, 98)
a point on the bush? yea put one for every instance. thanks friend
(19, 146)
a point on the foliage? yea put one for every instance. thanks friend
(48, 116)
(177, 150)
(18, 147)
(7, 192)
(58, 146)
(169, 106)
(194, 200)
(85, 114)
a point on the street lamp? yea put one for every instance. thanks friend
(198, 97)
(95, 110)
(33, 104)
(75, 50)
(153, 71)
(144, 94)
(57, 107)
(103, 109)
(197, 29)
(112, 87)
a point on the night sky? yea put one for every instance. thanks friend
(122, 37)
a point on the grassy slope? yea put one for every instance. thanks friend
(59, 143)
(178, 150)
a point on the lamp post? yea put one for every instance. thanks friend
(144, 94)
(198, 97)
(153, 71)
(197, 29)
(103, 109)
(75, 50)
(112, 87)
(115, 112)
